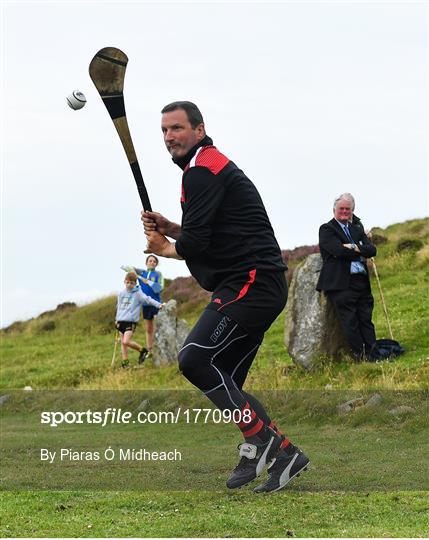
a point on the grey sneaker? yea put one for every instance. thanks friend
(285, 467)
(254, 457)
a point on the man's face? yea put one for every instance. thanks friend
(179, 135)
(343, 211)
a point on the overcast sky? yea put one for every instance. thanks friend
(310, 99)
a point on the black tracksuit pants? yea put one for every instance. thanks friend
(216, 358)
(219, 351)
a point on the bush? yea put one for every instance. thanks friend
(292, 257)
(411, 244)
(48, 326)
(16, 327)
(187, 293)
(378, 239)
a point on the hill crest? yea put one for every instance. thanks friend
(411, 236)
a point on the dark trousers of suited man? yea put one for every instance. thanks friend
(344, 276)
(354, 308)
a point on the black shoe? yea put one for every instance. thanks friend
(286, 466)
(254, 457)
(125, 364)
(142, 356)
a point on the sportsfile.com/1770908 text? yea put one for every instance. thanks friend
(118, 416)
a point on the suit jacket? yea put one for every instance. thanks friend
(335, 273)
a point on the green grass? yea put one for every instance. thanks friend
(367, 478)
(341, 496)
(331, 447)
(221, 514)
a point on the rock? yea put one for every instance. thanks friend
(182, 331)
(344, 408)
(312, 329)
(144, 405)
(374, 401)
(351, 405)
(3, 399)
(402, 409)
(169, 335)
(27, 389)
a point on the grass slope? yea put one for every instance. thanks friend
(72, 347)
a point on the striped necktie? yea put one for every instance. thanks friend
(347, 232)
(356, 267)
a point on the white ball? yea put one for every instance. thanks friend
(76, 100)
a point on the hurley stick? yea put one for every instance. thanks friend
(107, 71)
(114, 348)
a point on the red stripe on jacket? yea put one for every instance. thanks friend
(243, 292)
(211, 158)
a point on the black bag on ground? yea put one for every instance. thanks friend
(386, 348)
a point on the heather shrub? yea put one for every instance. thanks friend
(292, 257)
(412, 244)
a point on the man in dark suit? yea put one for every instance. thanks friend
(344, 247)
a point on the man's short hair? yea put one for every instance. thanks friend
(345, 197)
(131, 276)
(192, 111)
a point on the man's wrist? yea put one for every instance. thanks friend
(169, 251)
(174, 230)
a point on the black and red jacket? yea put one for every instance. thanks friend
(225, 230)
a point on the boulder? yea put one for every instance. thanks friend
(350, 405)
(170, 334)
(312, 329)
(402, 409)
(374, 400)
(144, 405)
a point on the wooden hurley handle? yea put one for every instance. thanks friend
(107, 71)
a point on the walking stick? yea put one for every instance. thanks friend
(114, 348)
(382, 298)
